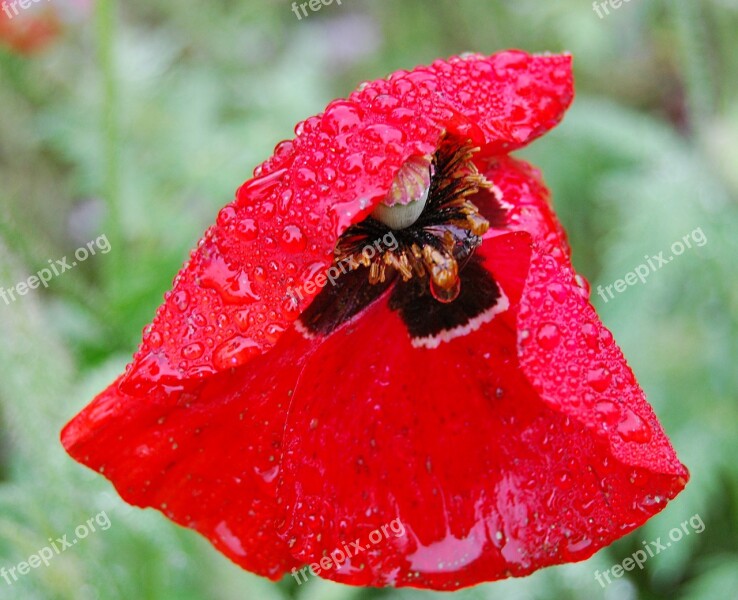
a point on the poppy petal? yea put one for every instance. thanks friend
(568, 355)
(520, 189)
(279, 233)
(487, 478)
(572, 361)
(207, 458)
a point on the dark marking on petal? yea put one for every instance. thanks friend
(492, 207)
(425, 317)
(336, 304)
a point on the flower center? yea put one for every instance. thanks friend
(416, 254)
(429, 214)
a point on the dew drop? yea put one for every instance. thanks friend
(340, 117)
(232, 284)
(548, 336)
(290, 308)
(599, 379)
(293, 239)
(609, 412)
(259, 188)
(558, 292)
(273, 332)
(285, 198)
(445, 296)
(606, 337)
(243, 320)
(354, 163)
(589, 330)
(283, 152)
(182, 300)
(154, 340)
(247, 229)
(193, 351)
(383, 134)
(305, 177)
(226, 215)
(235, 352)
(259, 274)
(633, 428)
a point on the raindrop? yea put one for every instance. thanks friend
(633, 428)
(247, 229)
(235, 352)
(340, 117)
(193, 351)
(155, 340)
(443, 295)
(599, 379)
(182, 300)
(548, 336)
(293, 239)
(259, 188)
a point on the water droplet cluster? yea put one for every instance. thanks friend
(572, 360)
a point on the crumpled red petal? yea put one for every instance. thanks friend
(489, 479)
(207, 458)
(566, 352)
(232, 301)
(524, 194)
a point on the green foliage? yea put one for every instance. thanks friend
(142, 120)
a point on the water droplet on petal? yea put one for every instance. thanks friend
(235, 352)
(305, 177)
(193, 351)
(384, 134)
(247, 229)
(154, 340)
(182, 300)
(633, 428)
(548, 336)
(599, 379)
(293, 239)
(232, 284)
(340, 116)
(609, 412)
(589, 330)
(259, 188)
(243, 319)
(226, 215)
(558, 292)
(285, 198)
(273, 332)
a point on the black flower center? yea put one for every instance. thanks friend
(427, 256)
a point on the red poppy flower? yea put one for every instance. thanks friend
(385, 325)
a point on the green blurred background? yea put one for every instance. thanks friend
(138, 120)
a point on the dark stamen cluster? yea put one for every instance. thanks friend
(444, 235)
